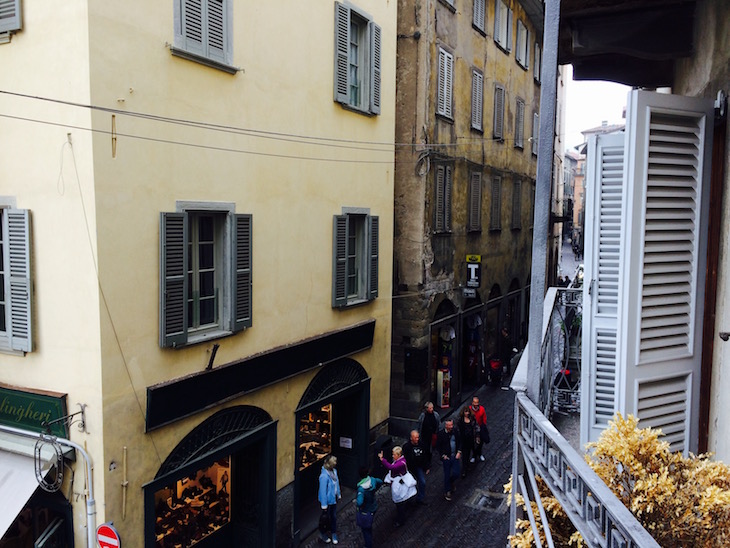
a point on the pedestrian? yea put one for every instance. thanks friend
(448, 445)
(469, 432)
(367, 504)
(398, 469)
(419, 463)
(329, 494)
(480, 417)
(428, 425)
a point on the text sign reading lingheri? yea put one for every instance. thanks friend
(29, 410)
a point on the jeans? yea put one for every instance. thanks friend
(367, 536)
(452, 468)
(332, 513)
(420, 474)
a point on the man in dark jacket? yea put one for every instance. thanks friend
(448, 445)
(419, 463)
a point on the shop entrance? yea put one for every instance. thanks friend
(472, 372)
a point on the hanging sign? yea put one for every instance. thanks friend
(29, 410)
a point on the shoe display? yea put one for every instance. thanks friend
(481, 458)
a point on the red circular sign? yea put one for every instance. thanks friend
(107, 536)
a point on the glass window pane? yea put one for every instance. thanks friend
(207, 284)
(206, 255)
(206, 228)
(207, 311)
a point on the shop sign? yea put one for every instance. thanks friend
(469, 293)
(473, 258)
(30, 410)
(473, 274)
(346, 443)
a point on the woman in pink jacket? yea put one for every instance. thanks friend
(397, 468)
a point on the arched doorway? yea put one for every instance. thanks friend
(218, 486)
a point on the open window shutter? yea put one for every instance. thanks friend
(448, 184)
(495, 221)
(475, 200)
(373, 250)
(173, 279)
(18, 230)
(498, 112)
(477, 90)
(535, 131)
(342, 45)
(520, 124)
(479, 7)
(516, 204)
(242, 274)
(527, 48)
(439, 220)
(508, 41)
(375, 37)
(497, 15)
(339, 261)
(668, 155)
(217, 32)
(193, 26)
(10, 15)
(603, 222)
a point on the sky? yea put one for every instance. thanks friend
(588, 104)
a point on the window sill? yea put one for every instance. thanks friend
(479, 30)
(500, 46)
(478, 130)
(445, 117)
(519, 63)
(521, 147)
(357, 110)
(449, 5)
(177, 52)
(10, 352)
(353, 303)
(197, 338)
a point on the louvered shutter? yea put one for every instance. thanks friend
(475, 201)
(342, 45)
(663, 261)
(373, 250)
(20, 286)
(495, 221)
(375, 38)
(477, 91)
(193, 26)
(497, 20)
(535, 131)
(498, 112)
(448, 184)
(519, 50)
(520, 124)
(516, 204)
(242, 273)
(508, 40)
(445, 83)
(173, 279)
(439, 221)
(339, 261)
(216, 30)
(603, 224)
(10, 16)
(479, 10)
(527, 48)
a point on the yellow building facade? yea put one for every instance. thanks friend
(209, 195)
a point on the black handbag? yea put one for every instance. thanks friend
(324, 522)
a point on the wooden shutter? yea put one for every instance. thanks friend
(10, 15)
(520, 124)
(497, 19)
(535, 131)
(519, 54)
(508, 40)
(439, 221)
(242, 273)
(342, 48)
(527, 48)
(664, 246)
(516, 204)
(475, 201)
(216, 29)
(603, 224)
(373, 250)
(19, 274)
(538, 61)
(173, 279)
(495, 221)
(445, 82)
(479, 12)
(193, 26)
(448, 184)
(477, 93)
(339, 261)
(498, 112)
(375, 39)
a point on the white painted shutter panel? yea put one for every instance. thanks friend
(242, 273)
(216, 30)
(20, 297)
(535, 131)
(193, 26)
(508, 41)
(342, 45)
(520, 125)
(669, 142)
(603, 223)
(498, 112)
(374, 245)
(439, 221)
(339, 261)
(375, 39)
(10, 15)
(479, 9)
(475, 200)
(173, 279)
(477, 92)
(497, 15)
(445, 82)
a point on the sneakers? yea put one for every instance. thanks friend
(334, 539)
(447, 495)
(481, 458)
(324, 538)
(471, 460)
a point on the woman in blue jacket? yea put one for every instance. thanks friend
(329, 494)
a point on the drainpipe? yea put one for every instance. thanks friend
(90, 502)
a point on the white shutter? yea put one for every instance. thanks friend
(479, 9)
(477, 92)
(439, 221)
(10, 15)
(498, 112)
(535, 131)
(508, 40)
(445, 83)
(603, 223)
(448, 183)
(520, 124)
(216, 29)
(663, 261)
(497, 16)
(193, 26)
(20, 286)
(342, 48)
(375, 38)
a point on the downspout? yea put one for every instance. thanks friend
(90, 502)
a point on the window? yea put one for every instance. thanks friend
(15, 282)
(502, 25)
(522, 46)
(517, 205)
(205, 275)
(475, 202)
(445, 83)
(203, 32)
(357, 60)
(520, 124)
(479, 15)
(535, 132)
(444, 182)
(537, 66)
(10, 17)
(499, 112)
(355, 258)
(495, 220)
(477, 87)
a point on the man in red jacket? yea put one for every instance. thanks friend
(480, 415)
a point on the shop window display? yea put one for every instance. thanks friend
(193, 507)
(315, 436)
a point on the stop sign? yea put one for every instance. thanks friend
(107, 536)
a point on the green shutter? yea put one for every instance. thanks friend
(374, 244)
(173, 279)
(339, 261)
(375, 35)
(448, 183)
(18, 231)
(342, 47)
(10, 15)
(242, 274)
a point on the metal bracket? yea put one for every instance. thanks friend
(721, 104)
(68, 420)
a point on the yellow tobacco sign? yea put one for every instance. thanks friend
(473, 258)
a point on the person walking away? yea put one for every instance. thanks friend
(418, 463)
(480, 417)
(428, 425)
(367, 504)
(397, 468)
(448, 445)
(469, 432)
(329, 494)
